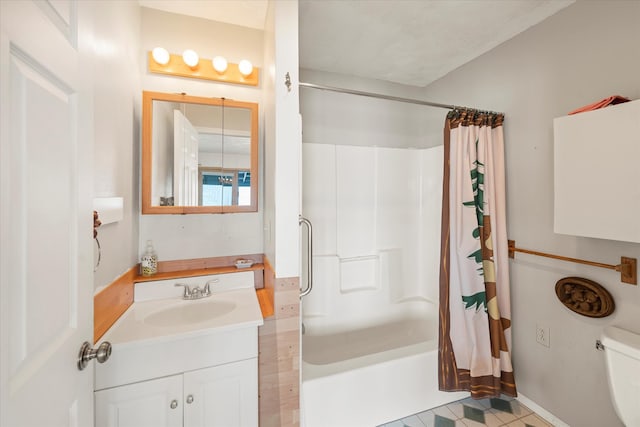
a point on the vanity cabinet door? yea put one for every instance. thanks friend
(154, 403)
(222, 396)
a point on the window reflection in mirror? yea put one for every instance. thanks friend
(225, 188)
(199, 155)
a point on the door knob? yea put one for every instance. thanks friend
(190, 399)
(86, 354)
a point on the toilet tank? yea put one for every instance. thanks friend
(622, 354)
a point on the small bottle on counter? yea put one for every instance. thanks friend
(149, 261)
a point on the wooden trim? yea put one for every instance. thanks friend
(147, 129)
(111, 302)
(147, 105)
(195, 263)
(255, 170)
(628, 267)
(265, 298)
(195, 273)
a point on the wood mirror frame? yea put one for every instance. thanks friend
(148, 207)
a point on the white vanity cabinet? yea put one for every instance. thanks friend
(153, 403)
(220, 396)
(177, 362)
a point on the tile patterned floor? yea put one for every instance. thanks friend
(504, 411)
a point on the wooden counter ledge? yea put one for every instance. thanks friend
(196, 272)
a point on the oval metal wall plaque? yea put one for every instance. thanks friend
(584, 297)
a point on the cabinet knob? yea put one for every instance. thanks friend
(190, 399)
(174, 404)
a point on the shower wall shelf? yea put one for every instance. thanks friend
(628, 267)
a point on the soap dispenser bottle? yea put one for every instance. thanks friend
(149, 261)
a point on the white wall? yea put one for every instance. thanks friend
(116, 115)
(586, 52)
(282, 139)
(269, 132)
(336, 118)
(198, 236)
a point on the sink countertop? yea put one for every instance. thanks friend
(162, 334)
(132, 328)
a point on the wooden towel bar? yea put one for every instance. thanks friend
(628, 267)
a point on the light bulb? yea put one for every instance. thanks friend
(245, 67)
(219, 64)
(160, 55)
(190, 57)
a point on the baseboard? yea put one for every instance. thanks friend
(539, 410)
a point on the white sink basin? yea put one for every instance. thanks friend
(162, 319)
(196, 312)
(162, 334)
(160, 313)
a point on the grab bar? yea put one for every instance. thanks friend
(302, 220)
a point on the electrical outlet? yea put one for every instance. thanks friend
(542, 335)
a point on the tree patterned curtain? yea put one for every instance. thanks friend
(475, 313)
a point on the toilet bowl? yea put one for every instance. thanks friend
(622, 355)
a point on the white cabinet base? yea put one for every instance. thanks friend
(220, 396)
(223, 396)
(145, 404)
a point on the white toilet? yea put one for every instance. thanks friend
(622, 354)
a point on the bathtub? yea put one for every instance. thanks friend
(371, 375)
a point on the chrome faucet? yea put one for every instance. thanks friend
(195, 292)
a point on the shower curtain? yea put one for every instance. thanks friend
(475, 314)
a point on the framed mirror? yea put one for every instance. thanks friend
(199, 155)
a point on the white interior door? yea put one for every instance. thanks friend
(185, 169)
(46, 248)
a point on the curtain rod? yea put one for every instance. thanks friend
(389, 97)
(378, 95)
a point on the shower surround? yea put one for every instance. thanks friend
(370, 346)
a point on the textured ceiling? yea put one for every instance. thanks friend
(247, 13)
(405, 41)
(410, 41)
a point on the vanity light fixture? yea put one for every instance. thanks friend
(190, 65)
(191, 58)
(220, 64)
(245, 67)
(161, 55)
